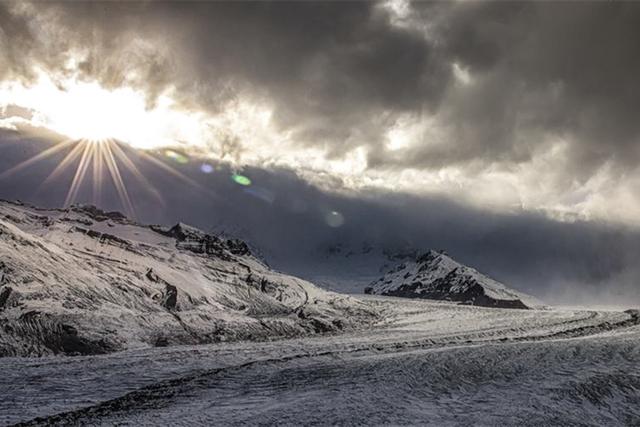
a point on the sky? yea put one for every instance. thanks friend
(504, 132)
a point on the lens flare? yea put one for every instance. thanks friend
(261, 193)
(334, 219)
(241, 180)
(177, 157)
(206, 168)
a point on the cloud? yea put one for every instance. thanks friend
(539, 70)
(500, 105)
(332, 71)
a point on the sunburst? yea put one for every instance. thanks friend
(104, 126)
(105, 158)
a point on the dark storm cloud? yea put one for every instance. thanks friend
(539, 69)
(334, 71)
(15, 40)
(340, 73)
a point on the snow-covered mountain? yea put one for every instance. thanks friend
(435, 275)
(85, 281)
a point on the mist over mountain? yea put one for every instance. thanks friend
(291, 224)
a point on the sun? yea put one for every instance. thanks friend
(86, 110)
(101, 127)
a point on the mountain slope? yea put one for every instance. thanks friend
(84, 281)
(435, 275)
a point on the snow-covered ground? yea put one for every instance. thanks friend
(276, 349)
(427, 363)
(83, 281)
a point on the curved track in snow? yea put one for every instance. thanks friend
(427, 363)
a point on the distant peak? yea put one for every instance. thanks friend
(435, 275)
(432, 255)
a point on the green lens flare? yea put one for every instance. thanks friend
(176, 157)
(241, 179)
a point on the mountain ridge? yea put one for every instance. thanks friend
(85, 281)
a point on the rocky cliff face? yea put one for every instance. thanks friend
(435, 275)
(84, 281)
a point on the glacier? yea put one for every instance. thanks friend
(150, 325)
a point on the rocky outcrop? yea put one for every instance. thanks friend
(197, 241)
(98, 214)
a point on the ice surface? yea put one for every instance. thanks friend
(432, 363)
(275, 349)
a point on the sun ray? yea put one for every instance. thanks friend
(122, 156)
(70, 157)
(80, 173)
(104, 157)
(40, 156)
(114, 171)
(98, 172)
